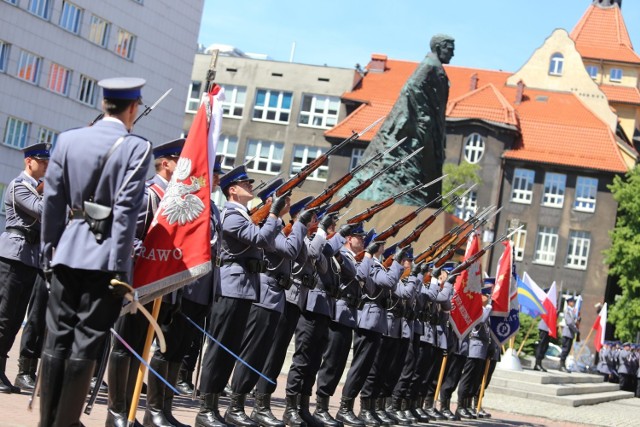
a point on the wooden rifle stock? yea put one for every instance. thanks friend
(348, 198)
(327, 194)
(370, 212)
(261, 213)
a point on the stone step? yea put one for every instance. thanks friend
(571, 400)
(551, 377)
(555, 389)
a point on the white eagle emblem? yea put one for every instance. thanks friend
(179, 204)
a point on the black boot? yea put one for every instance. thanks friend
(395, 412)
(416, 410)
(405, 407)
(184, 384)
(446, 411)
(118, 372)
(346, 415)
(382, 415)
(235, 414)
(51, 375)
(154, 412)
(538, 366)
(321, 415)
(262, 411)
(563, 368)
(291, 416)
(461, 411)
(24, 380)
(470, 408)
(431, 411)
(5, 384)
(75, 386)
(172, 377)
(304, 412)
(367, 413)
(481, 413)
(208, 415)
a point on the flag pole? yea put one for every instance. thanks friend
(142, 369)
(484, 383)
(440, 377)
(525, 338)
(584, 344)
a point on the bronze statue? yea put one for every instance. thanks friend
(419, 115)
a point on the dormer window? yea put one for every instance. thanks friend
(615, 75)
(593, 71)
(556, 63)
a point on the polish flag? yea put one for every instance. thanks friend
(466, 310)
(550, 304)
(600, 325)
(503, 290)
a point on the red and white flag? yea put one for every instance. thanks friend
(600, 326)
(550, 304)
(505, 293)
(466, 310)
(177, 249)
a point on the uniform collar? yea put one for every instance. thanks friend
(30, 179)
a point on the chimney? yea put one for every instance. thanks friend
(378, 63)
(474, 82)
(607, 3)
(520, 92)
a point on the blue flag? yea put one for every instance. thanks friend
(528, 298)
(503, 328)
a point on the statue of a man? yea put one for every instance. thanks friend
(419, 115)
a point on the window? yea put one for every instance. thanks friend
(47, 136)
(125, 44)
(519, 239)
(3, 188)
(546, 245)
(99, 31)
(29, 67)
(59, 78)
(42, 8)
(467, 206)
(11, 1)
(267, 156)
(578, 249)
(303, 155)
(70, 17)
(554, 185)
(356, 156)
(193, 101)
(272, 106)
(586, 191)
(474, 148)
(228, 146)
(522, 190)
(319, 111)
(593, 71)
(87, 90)
(555, 64)
(616, 75)
(235, 97)
(4, 56)
(15, 134)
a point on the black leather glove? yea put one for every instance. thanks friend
(374, 247)
(435, 271)
(417, 268)
(346, 229)
(277, 204)
(424, 268)
(401, 253)
(328, 221)
(305, 217)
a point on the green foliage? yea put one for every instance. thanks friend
(527, 322)
(623, 257)
(464, 173)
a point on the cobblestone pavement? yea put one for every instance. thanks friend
(507, 411)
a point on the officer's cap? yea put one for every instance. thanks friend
(487, 286)
(217, 165)
(122, 87)
(298, 206)
(234, 176)
(370, 236)
(38, 151)
(408, 254)
(358, 231)
(571, 299)
(169, 148)
(449, 266)
(269, 189)
(390, 250)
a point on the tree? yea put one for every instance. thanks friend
(623, 257)
(464, 173)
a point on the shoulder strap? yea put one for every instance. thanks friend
(158, 191)
(96, 177)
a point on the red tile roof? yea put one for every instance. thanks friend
(602, 34)
(483, 103)
(623, 94)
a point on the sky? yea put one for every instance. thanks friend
(491, 34)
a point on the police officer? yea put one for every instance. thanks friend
(122, 371)
(193, 302)
(241, 260)
(98, 172)
(543, 345)
(627, 367)
(20, 257)
(569, 332)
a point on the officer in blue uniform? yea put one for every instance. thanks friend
(20, 257)
(122, 370)
(241, 262)
(192, 302)
(569, 331)
(98, 172)
(543, 345)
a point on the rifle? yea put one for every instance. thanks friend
(260, 212)
(328, 193)
(348, 198)
(264, 184)
(466, 263)
(368, 213)
(148, 109)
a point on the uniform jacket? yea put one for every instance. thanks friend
(280, 256)
(23, 210)
(74, 164)
(242, 240)
(434, 298)
(352, 276)
(443, 317)
(372, 315)
(397, 326)
(627, 362)
(327, 274)
(570, 329)
(603, 355)
(480, 337)
(150, 202)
